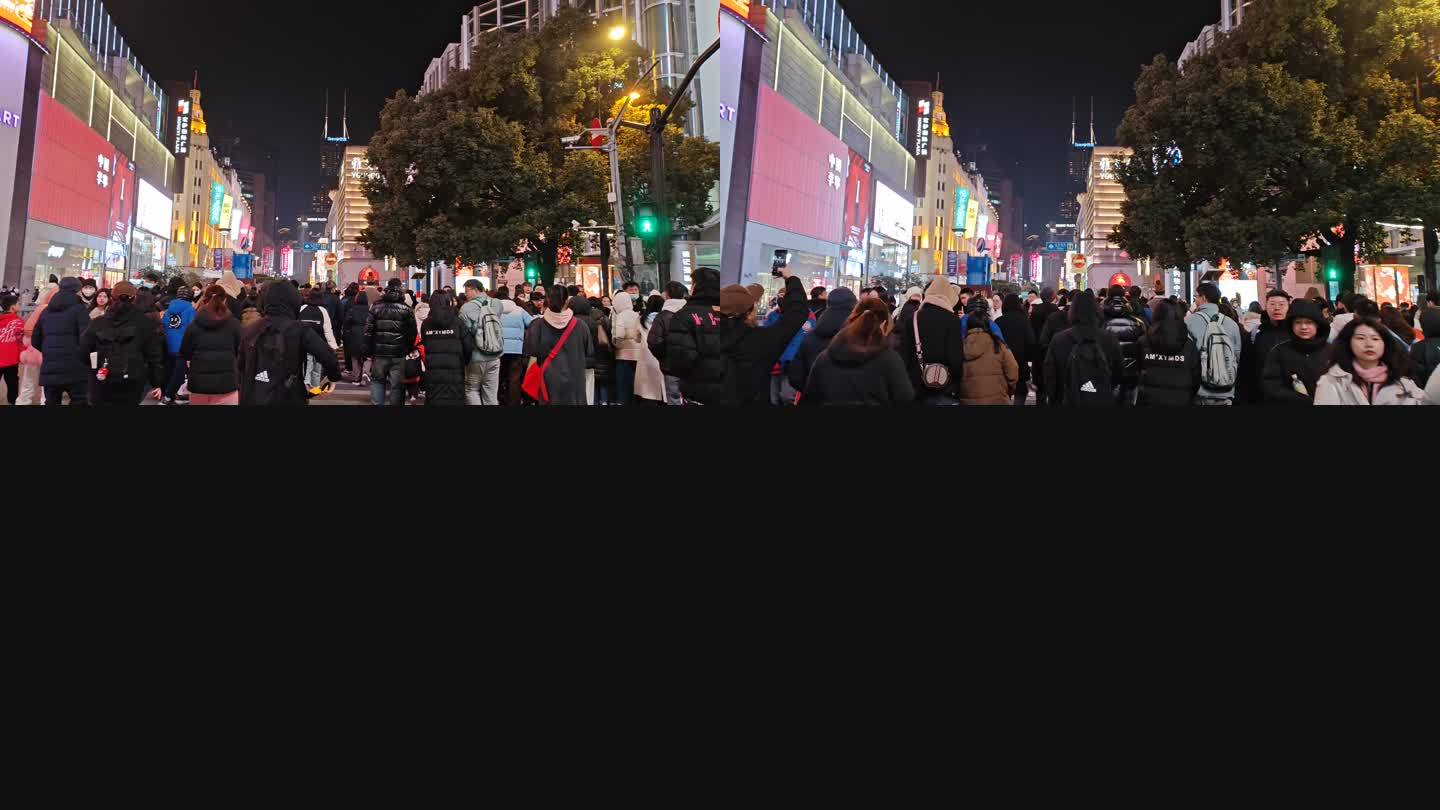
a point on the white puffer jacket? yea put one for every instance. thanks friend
(1337, 387)
(627, 338)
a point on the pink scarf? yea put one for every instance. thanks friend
(1375, 376)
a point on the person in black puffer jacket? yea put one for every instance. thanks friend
(1020, 337)
(693, 342)
(1275, 328)
(1169, 360)
(64, 369)
(838, 308)
(859, 367)
(1299, 361)
(1127, 327)
(447, 348)
(1426, 353)
(126, 335)
(211, 351)
(354, 318)
(601, 363)
(941, 340)
(389, 336)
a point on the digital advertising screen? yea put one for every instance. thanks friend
(217, 202)
(800, 172)
(74, 181)
(859, 191)
(19, 14)
(894, 215)
(962, 208)
(155, 210)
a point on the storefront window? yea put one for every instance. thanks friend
(888, 257)
(812, 269)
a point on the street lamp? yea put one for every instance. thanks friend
(618, 33)
(634, 96)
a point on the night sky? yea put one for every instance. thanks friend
(1009, 68)
(264, 66)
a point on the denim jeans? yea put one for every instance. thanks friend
(387, 381)
(625, 382)
(174, 375)
(482, 382)
(672, 391)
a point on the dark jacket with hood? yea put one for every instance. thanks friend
(355, 318)
(123, 323)
(1084, 326)
(943, 343)
(282, 311)
(1293, 360)
(212, 348)
(827, 326)
(602, 359)
(391, 330)
(1169, 365)
(447, 347)
(1251, 387)
(848, 374)
(1020, 337)
(57, 337)
(750, 352)
(1127, 327)
(1038, 316)
(1426, 353)
(693, 343)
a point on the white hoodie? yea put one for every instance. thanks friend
(627, 337)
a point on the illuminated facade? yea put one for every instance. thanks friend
(203, 222)
(1100, 213)
(941, 227)
(348, 217)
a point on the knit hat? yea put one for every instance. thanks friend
(841, 299)
(735, 301)
(230, 284)
(123, 290)
(69, 284)
(942, 294)
(914, 293)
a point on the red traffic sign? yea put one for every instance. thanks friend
(1078, 262)
(596, 140)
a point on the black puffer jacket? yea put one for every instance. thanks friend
(1038, 316)
(1169, 366)
(1127, 328)
(942, 342)
(827, 326)
(602, 360)
(846, 374)
(447, 345)
(1287, 361)
(120, 324)
(693, 344)
(1020, 337)
(355, 317)
(1251, 385)
(212, 348)
(57, 336)
(390, 332)
(1426, 353)
(282, 308)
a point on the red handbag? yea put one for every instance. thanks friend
(534, 383)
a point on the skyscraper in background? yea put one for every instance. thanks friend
(1077, 169)
(332, 152)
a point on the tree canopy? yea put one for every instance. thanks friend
(1313, 113)
(477, 169)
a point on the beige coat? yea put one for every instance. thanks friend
(990, 376)
(1337, 387)
(649, 379)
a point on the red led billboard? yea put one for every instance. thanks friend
(800, 172)
(859, 191)
(81, 181)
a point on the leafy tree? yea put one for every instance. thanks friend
(477, 169)
(1313, 113)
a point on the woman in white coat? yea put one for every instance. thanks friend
(628, 342)
(649, 379)
(1367, 369)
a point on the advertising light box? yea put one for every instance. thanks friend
(20, 14)
(156, 210)
(972, 214)
(962, 207)
(894, 215)
(74, 182)
(800, 172)
(217, 202)
(227, 210)
(859, 189)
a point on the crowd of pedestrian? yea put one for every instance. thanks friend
(235, 343)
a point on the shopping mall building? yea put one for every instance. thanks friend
(85, 176)
(814, 165)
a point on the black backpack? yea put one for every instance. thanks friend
(1087, 374)
(270, 364)
(118, 353)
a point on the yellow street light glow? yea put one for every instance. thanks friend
(634, 96)
(618, 32)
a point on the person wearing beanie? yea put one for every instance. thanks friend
(905, 312)
(692, 347)
(178, 316)
(1097, 359)
(269, 376)
(932, 336)
(129, 351)
(751, 352)
(838, 306)
(1293, 366)
(1207, 310)
(63, 368)
(1425, 354)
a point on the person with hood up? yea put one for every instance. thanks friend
(858, 365)
(836, 315)
(600, 365)
(1019, 336)
(751, 351)
(422, 311)
(1169, 360)
(1127, 328)
(389, 336)
(268, 375)
(628, 341)
(562, 346)
(658, 338)
(356, 321)
(1083, 363)
(1293, 367)
(1425, 354)
(1274, 328)
(64, 369)
(210, 351)
(447, 345)
(1367, 368)
(129, 351)
(513, 323)
(692, 347)
(177, 318)
(932, 343)
(991, 373)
